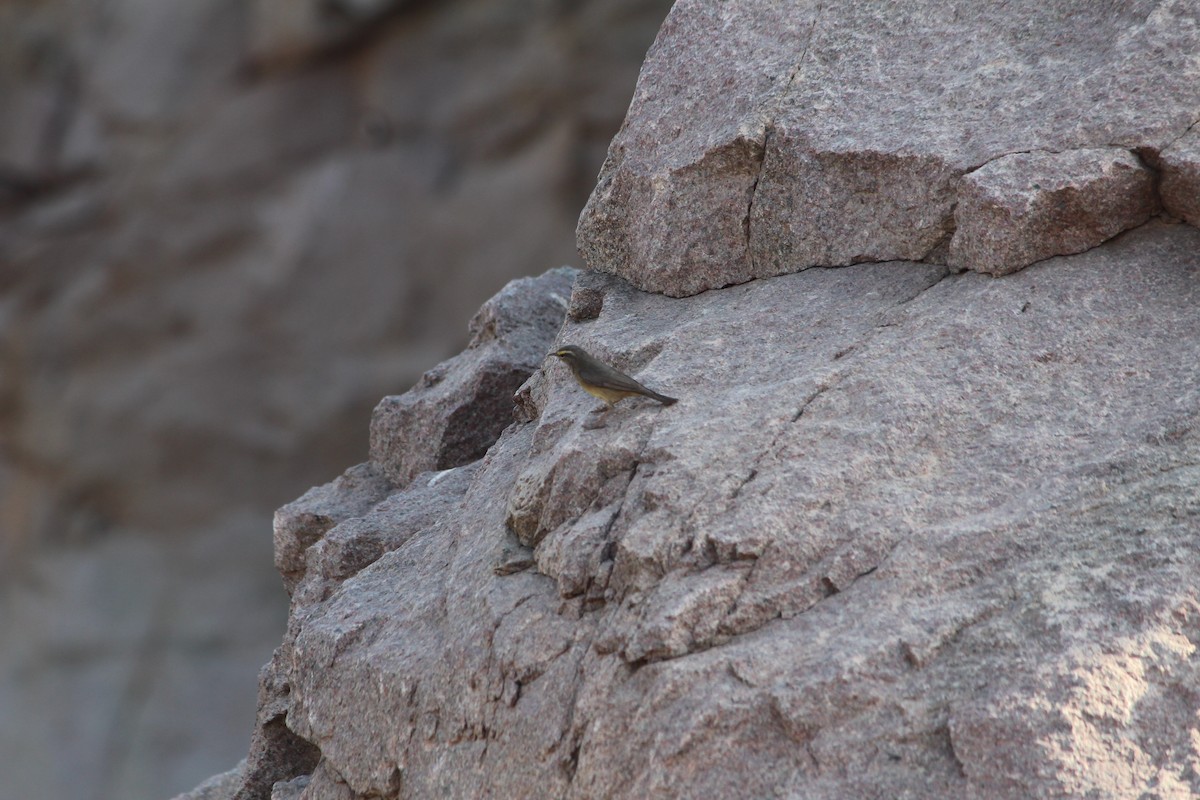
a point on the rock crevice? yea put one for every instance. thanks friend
(766, 144)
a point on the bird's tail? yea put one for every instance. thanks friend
(662, 398)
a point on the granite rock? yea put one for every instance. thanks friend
(1180, 167)
(359, 541)
(277, 755)
(301, 523)
(323, 539)
(343, 526)
(906, 532)
(764, 139)
(1022, 208)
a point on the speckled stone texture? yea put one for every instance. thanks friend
(906, 533)
(303, 522)
(1022, 208)
(765, 138)
(1180, 164)
(458, 408)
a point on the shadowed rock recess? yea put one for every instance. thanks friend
(910, 531)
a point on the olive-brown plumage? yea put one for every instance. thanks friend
(601, 380)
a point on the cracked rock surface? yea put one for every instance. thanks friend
(906, 533)
(328, 535)
(765, 138)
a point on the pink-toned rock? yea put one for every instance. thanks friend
(672, 206)
(905, 533)
(1180, 167)
(1026, 207)
(767, 138)
(301, 523)
(333, 531)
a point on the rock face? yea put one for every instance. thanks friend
(227, 229)
(331, 533)
(911, 530)
(906, 533)
(765, 138)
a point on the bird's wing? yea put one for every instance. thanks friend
(610, 378)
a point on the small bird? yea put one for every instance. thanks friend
(601, 380)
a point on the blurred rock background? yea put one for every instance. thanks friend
(227, 229)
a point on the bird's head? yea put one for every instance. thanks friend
(571, 354)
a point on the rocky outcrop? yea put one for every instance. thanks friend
(326, 537)
(765, 138)
(906, 532)
(912, 530)
(1023, 208)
